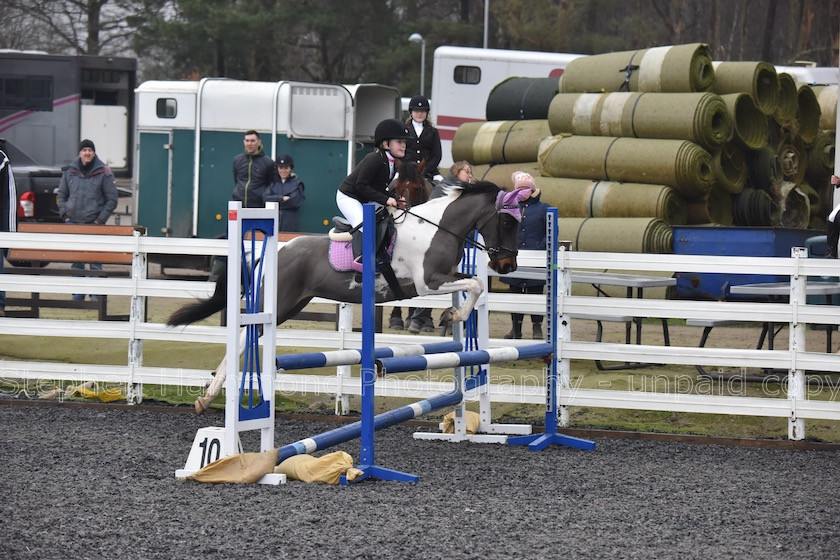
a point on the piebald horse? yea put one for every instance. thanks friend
(429, 244)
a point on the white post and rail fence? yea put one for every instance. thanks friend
(794, 402)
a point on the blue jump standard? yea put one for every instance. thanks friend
(351, 357)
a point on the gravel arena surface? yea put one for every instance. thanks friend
(99, 483)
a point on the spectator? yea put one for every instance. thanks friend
(531, 236)
(253, 172)
(423, 138)
(87, 194)
(8, 212)
(287, 190)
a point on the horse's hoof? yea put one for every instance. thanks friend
(396, 323)
(446, 317)
(200, 405)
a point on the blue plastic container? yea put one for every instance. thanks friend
(731, 241)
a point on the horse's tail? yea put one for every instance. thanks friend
(202, 308)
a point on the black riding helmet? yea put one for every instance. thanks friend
(419, 103)
(389, 129)
(284, 159)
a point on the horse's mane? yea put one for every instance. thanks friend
(479, 187)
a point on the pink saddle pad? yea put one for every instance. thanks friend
(341, 255)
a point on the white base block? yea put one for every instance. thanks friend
(472, 438)
(510, 429)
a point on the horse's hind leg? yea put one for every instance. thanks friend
(218, 381)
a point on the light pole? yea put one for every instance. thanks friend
(417, 38)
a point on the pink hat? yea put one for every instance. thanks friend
(522, 180)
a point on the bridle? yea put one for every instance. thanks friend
(491, 251)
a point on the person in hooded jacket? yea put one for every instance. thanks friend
(531, 236)
(424, 139)
(287, 190)
(87, 194)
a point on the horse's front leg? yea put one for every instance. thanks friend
(218, 381)
(471, 285)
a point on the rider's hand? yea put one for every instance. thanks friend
(396, 202)
(835, 180)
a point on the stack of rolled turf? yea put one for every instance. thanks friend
(630, 143)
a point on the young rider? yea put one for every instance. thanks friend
(370, 179)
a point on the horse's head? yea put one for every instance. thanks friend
(501, 229)
(411, 184)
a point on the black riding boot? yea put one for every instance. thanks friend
(516, 331)
(536, 329)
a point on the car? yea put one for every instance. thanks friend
(37, 186)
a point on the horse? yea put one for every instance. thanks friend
(429, 243)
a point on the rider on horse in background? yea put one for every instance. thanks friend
(370, 179)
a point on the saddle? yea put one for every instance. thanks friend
(343, 234)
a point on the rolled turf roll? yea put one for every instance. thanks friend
(814, 199)
(755, 207)
(793, 158)
(580, 198)
(786, 107)
(820, 158)
(764, 168)
(617, 235)
(499, 141)
(750, 124)
(501, 173)
(714, 208)
(683, 165)
(520, 99)
(807, 113)
(702, 118)
(759, 79)
(827, 99)
(794, 206)
(730, 166)
(676, 68)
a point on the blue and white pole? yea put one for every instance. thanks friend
(463, 359)
(555, 332)
(291, 362)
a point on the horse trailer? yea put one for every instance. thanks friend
(463, 77)
(50, 102)
(189, 131)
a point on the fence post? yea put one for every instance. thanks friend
(796, 376)
(136, 315)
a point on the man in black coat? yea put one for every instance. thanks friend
(253, 172)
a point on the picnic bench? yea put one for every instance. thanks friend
(36, 258)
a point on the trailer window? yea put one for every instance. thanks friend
(26, 92)
(467, 74)
(167, 108)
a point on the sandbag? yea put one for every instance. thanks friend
(581, 198)
(472, 419)
(520, 99)
(759, 79)
(499, 141)
(673, 69)
(683, 165)
(241, 468)
(749, 124)
(327, 468)
(618, 235)
(702, 118)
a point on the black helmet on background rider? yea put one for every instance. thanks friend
(419, 103)
(284, 159)
(389, 129)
